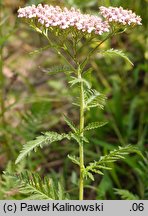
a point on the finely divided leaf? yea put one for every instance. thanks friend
(79, 139)
(119, 53)
(88, 174)
(75, 81)
(126, 195)
(113, 156)
(74, 159)
(116, 154)
(70, 124)
(94, 125)
(94, 98)
(57, 69)
(37, 51)
(36, 188)
(40, 141)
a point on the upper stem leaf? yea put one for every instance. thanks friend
(94, 125)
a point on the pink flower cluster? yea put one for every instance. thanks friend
(119, 15)
(50, 16)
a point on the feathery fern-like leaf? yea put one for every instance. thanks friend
(105, 161)
(74, 159)
(79, 139)
(75, 81)
(126, 195)
(119, 53)
(94, 125)
(70, 124)
(36, 188)
(94, 98)
(33, 186)
(57, 69)
(40, 141)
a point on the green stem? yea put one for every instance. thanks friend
(83, 64)
(81, 153)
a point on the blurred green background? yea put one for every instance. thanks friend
(31, 102)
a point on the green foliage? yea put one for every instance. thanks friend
(32, 120)
(93, 98)
(75, 81)
(112, 52)
(58, 69)
(36, 188)
(105, 161)
(79, 139)
(9, 185)
(74, 159)
(104, 187)
(37, 51)
(126, 195)
(88, 74)
(94, 125)
(126, 109)
(40, 141)
(6, 182)
(142, 174)
(70, 124)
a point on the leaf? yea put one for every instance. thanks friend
(118, 53)
(94, 125)
(40, 141)
(36, 188)
(75, 81)
(126, 195)
(61, 192)
(79, 139)
(57, 69)
(85, 139)
(70, 124)
(104, 186)
(88, 174)
(40, 50)
(113, 156)
(74, 159)
(33, 186)
(94, 98)
(97, 171)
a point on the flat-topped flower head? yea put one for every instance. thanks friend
(119, 15)
(50, 16)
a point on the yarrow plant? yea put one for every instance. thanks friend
(68, 32)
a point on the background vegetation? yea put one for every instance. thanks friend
(33, 99)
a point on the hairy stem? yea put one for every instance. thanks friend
(81, 153)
